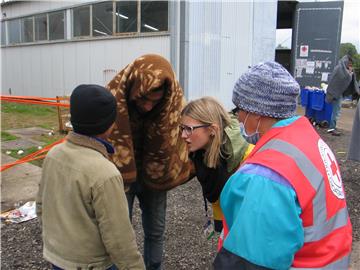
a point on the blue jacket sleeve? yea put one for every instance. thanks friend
(263, 217)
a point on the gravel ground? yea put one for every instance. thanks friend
(185, 245)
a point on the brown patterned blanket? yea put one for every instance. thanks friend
(148, 147)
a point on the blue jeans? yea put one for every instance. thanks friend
(111, 268)
(153, 211)
(336, 107)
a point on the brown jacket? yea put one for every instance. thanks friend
(83, 208)
(149, 148)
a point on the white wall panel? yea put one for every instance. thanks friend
(82, 63)
(204, 49)
(236, 46)
(45, 74)
(12, 72)
(36, 68)
(264, 32)
(26, 71)
(220, 41)
(69, 68)
(55, 69)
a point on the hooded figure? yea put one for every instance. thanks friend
(342, 83)
(149, 151)
(148, 146)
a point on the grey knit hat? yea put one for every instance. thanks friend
(267, 89)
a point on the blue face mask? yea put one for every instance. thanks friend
(250, 138)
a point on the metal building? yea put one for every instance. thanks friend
(49, 47)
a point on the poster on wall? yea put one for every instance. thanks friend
(317, 32)
(304, 51)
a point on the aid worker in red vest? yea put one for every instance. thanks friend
(285, 207)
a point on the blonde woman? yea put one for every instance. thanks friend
(216, 147)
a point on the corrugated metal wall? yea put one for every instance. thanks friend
(55, 69)
(216, 42)
(222, 40)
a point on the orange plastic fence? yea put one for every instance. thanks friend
(34, 100)
(32, 156)
(37, 100)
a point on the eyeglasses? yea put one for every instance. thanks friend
(190, 129)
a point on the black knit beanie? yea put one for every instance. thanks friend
(92, 109)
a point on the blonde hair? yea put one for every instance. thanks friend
(208, 110)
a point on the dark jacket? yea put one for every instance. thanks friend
(341, 82)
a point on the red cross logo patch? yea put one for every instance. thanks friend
(332, 169)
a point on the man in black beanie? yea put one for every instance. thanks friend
(81, 199)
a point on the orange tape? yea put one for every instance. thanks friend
(36, 100)
(32, 156)
(35, 97)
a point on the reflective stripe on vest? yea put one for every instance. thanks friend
(321, 227)
(341, 264)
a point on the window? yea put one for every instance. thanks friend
(14, 31)
(27, 29)
(57, 25)
(154, 16)
(126, 16)
(81, 21)
(41, 27)
(102, 19)
(3, 33)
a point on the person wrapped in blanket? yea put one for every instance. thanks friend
(285, 207)
(216, 147)
(149, 151)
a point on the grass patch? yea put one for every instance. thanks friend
(31, 109)
(5, 136)
(18, 115)
(48, 139)
(27, 151)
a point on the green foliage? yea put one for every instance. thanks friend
(5, 136)
(347, 48)
(350, 49)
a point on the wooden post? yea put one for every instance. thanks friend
(61, 124)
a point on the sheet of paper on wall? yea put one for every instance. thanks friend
(318, 64)
(301, 63)
(304, 51)
(310, 64)
(310, 67)
(299, 72)
(324, 76)
(310, 70)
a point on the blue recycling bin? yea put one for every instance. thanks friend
(306, 101)
(304, 95)
(316, 108)
(317, 100)
(323, 117)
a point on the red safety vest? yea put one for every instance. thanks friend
(298, 154)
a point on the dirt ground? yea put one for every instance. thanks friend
(185, 245)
